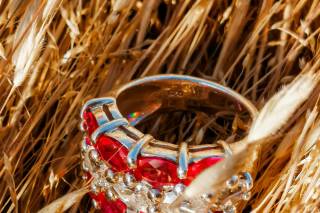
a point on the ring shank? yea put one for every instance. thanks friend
(143, 97)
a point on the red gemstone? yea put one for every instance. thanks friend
(107, 206)
(196, 168)
(87, 139)
(90, 123)
(156, 171)
(113, 152)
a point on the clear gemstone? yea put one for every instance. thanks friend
(229, 207)
(111, 194)
(179, 188)
(185, 207)
(141, 187)
(94, 155)
(129, 180)
(152, 209)
(94, 187)
(169, 197)
(102, 183)
(246, 195)
(233, 181)
(207, 197)
(154, 195)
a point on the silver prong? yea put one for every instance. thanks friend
(85, 167)
(100, 115)
(95, 102)
(183, 160)
(107, 127)
(81, 126)
(115, 111)
(135, 150)
(84, 145)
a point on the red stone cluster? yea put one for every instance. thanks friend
(155, 170)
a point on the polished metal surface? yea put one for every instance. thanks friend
(125, 107)
(96, 102)
(183, 160)
(107, 127)
(145, 96)
(136, 149)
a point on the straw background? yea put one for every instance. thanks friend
(55, 55)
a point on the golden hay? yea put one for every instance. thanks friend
(55, 55)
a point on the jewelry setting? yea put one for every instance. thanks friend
(133, 172)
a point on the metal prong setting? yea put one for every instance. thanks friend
(237, 189)
(108, 127)
(99, 114)
(135, 150)
(124, 186)
(96, 101)
(114, 111)
(183, 160)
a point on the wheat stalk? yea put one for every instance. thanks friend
(284, 103)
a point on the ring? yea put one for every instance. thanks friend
(133, 171)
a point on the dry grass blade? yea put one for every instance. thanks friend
(281, 106)
(9, 179)
(55, 55)
(264, 126)
(212, 179)
(65, 202)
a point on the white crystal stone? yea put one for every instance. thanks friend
(233, 181)
(84, 145)
(246, 195)
(94, 155)
(111, 194)
(94, 187)
(101, 182)
(110, 176)
(154, 195)
(179, 188)
(185, 207)
(129, 180)
(152, 209)
(169, 197)
(229, 207)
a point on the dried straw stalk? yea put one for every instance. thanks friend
(56, 54)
